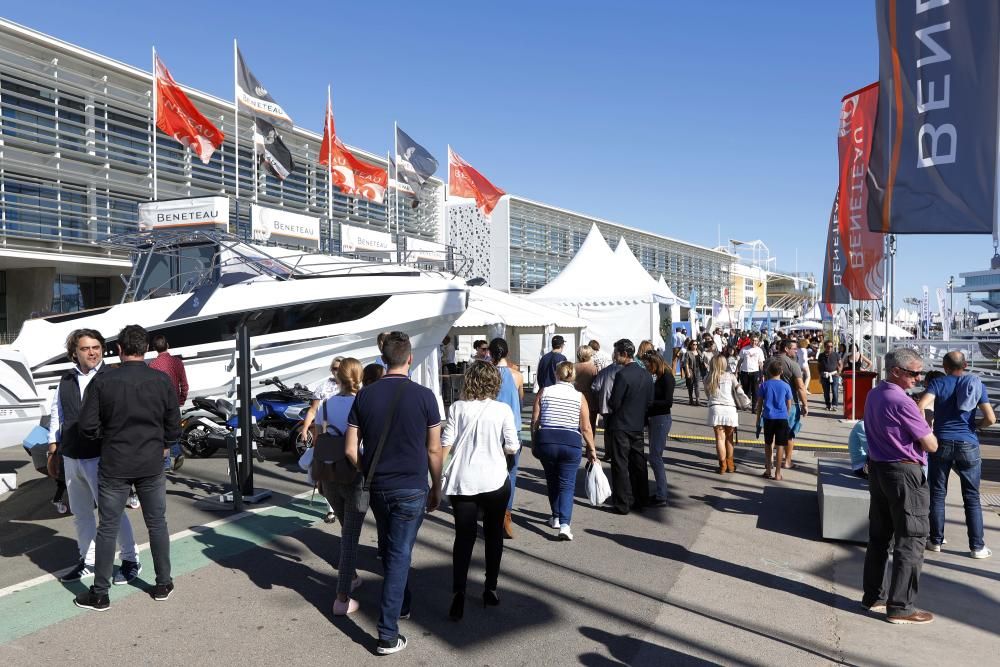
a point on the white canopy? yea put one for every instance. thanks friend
(668, 295)
(488, 306)
(803, 326)
(879, 327)
(611, 290)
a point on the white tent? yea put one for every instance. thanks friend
(526, 326)
(611, 291)
(879, 327)
(803, 326)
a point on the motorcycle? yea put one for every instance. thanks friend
(279, 417)
(205, 417)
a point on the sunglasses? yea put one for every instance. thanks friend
(907, 372)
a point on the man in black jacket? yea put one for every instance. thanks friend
(631, 395)
(133, 411)
(81, 456)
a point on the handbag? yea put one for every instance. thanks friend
(362, 497)
(742, 401)
(329, 463)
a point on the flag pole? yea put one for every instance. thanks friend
(395, 150)
(390, 206)
(236, 132)
(329, 158)
(153, 129)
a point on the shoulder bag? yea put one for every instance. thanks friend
(742, 401)
(330, 462)
(362, 498)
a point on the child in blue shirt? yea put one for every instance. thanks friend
(774, 402)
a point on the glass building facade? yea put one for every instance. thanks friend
(543, 239)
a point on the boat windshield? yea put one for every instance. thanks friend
(174, 270)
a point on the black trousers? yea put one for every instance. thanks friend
(629, 479)
(466, 512)
(898, 515)
(112, 492)
(749, 382)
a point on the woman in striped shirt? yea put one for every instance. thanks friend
(560, 427)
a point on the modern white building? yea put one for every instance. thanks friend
(76, 160)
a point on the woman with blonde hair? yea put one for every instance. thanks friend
(724, 395)
(560, 427)
(480, 434)
(585, 371)
(331, 416)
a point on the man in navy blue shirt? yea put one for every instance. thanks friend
(547, 364)
(955, 399)
(399, 493)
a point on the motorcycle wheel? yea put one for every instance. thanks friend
(301, 444)
(194, 442)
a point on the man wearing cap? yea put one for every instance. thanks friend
(898, 441)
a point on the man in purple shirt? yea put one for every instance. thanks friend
(898, 441)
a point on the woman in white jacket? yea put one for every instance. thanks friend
(479, 435)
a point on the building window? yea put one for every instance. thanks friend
(72, 293)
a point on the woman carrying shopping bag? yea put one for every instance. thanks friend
(480, 434)
(560, 427)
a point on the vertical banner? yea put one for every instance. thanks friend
(945, 313)
(693, 312)
(834, 289)
(925, 313)
(864, 269)
(934, 162)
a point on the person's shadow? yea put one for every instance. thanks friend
(625, 649)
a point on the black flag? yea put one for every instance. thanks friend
(933, 167)
(253, 96)
(271, 149)
(414, 163)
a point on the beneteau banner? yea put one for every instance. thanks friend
(354, 239)
(281, 226)
(863, 270)
(934, 161)
(193, 212)
(834, 290)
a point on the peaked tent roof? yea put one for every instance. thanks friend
(591, 277)
(665, 289)
(634, 272)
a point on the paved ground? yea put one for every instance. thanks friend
(732, 572)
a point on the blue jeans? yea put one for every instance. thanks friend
(398, 515)
(964, 458)
(560, 463)
(513, 478)
(831, 390)
(659, 429)
(175, 451)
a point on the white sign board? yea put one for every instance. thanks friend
(359, 239)
(283, 226)
(417, 249)
(193, 212)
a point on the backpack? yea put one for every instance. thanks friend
(330, 462)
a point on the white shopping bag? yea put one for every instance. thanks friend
(598, 488)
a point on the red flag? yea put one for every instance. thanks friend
(465, 181)
(178, 117)
(863, 249)
(351, 175)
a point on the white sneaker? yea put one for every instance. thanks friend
(60, 506)
(132, 502)
(933, 546)
(565, 534)
(554, 522)
(982, 553)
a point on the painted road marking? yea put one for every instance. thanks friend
(47, 602)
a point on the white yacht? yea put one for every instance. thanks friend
(196, 286)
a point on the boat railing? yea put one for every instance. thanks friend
(233, 255)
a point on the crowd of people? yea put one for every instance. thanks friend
(106, 444)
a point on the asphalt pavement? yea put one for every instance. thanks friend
(732, 571)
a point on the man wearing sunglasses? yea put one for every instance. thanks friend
(898, 441)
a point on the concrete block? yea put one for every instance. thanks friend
(8, 482)
(843, 501)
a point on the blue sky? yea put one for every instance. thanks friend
(680, 118)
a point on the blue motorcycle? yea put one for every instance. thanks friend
(278, 417)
